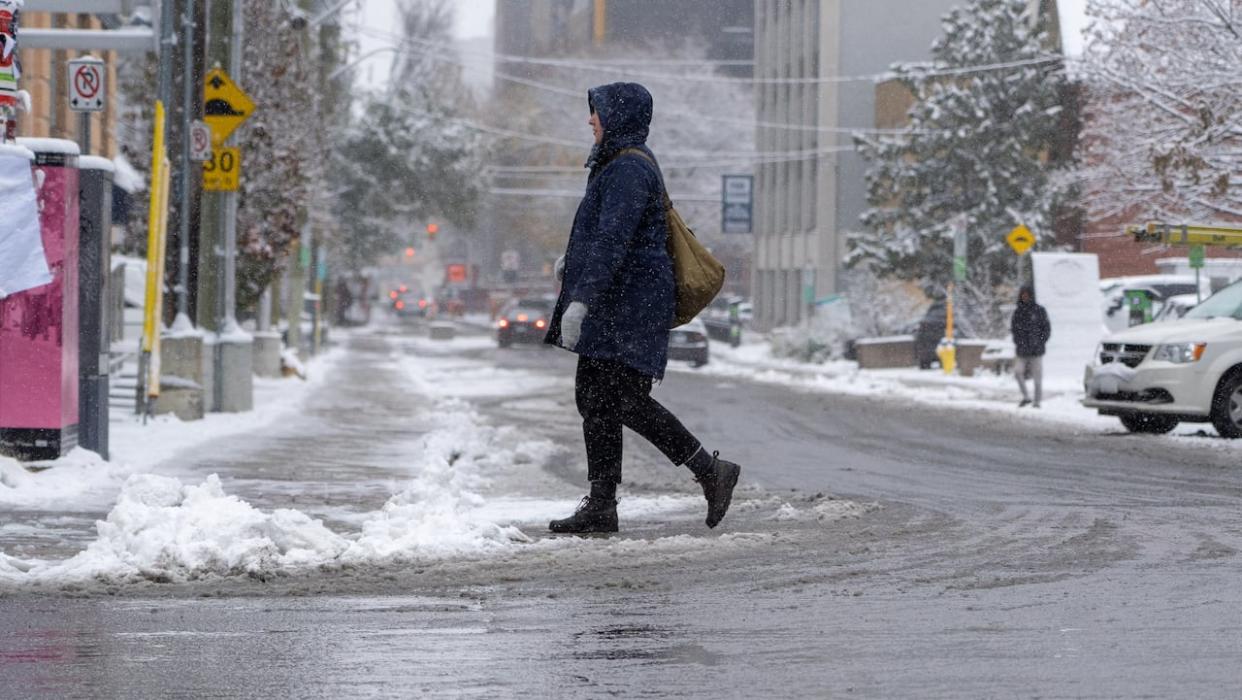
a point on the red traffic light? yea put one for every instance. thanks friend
(409, 252)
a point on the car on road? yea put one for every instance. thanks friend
(409, 302)
(1155, 375)
(524, 320)
(689, 343)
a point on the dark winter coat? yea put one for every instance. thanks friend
(1030, 328)
(617, 263)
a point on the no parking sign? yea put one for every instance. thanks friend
(86, 84)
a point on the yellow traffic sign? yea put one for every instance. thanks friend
(1020, 239)
(225, 106)
(222, 171)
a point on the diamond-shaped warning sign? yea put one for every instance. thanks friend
(225, 106)
(1020, 239)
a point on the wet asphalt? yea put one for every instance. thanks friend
(1005, 559)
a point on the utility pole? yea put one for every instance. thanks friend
(229, 242)
(233, 364)
(216, 16)
(187, 107)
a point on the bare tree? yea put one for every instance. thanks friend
(1163, 137)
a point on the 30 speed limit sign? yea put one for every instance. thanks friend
(222, 171)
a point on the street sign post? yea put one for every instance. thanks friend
(959, 254)
(222, 170)
(87, 92)
(1198, 254)
(225, 106)
(1020, 239)
(737, 203)
(200, 141)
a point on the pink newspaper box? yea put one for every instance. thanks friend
(39, 327)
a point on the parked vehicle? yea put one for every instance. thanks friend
(689, 343)
(1176, 307)
(1156, 375)
(1158, 288)
(719, 319)
(524, 320)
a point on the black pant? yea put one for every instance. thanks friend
(611, 395)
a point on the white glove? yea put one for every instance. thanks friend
(558, 270)
(571, 324)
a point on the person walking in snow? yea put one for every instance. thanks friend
(1031, 331)
(615, 308)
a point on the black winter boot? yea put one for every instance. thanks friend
(592, 515)
(718, 486)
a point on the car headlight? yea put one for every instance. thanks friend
(1179, 353)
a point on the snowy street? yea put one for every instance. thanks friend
(386, 536)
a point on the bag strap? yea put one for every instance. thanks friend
(668, 203)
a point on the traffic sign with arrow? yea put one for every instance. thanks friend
(225, 106)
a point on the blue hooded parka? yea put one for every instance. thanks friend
(617, 262)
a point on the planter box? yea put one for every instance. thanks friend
(885, 353)
(970, 356)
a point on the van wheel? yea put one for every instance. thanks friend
(1148, 423)
(1227, 407)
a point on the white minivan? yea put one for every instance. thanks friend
(1156, 375)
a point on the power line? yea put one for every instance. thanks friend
(571, 194)
(924, 69)
(728, 156)
(579, 94)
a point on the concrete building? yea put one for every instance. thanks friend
(558, 27)
(805, 207)
(598, 29)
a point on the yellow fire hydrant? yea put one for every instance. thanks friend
(947, 352)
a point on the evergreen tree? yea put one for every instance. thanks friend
(982, 150)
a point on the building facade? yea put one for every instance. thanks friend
(558, 27)
(598, 30)
(813, 59)
(45, 73)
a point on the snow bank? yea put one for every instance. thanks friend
(81, 480)
(437, 513)
(162, 530)
(985, 391)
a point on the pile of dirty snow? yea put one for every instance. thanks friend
(163, 530)
(81, 480)
(438, 512)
